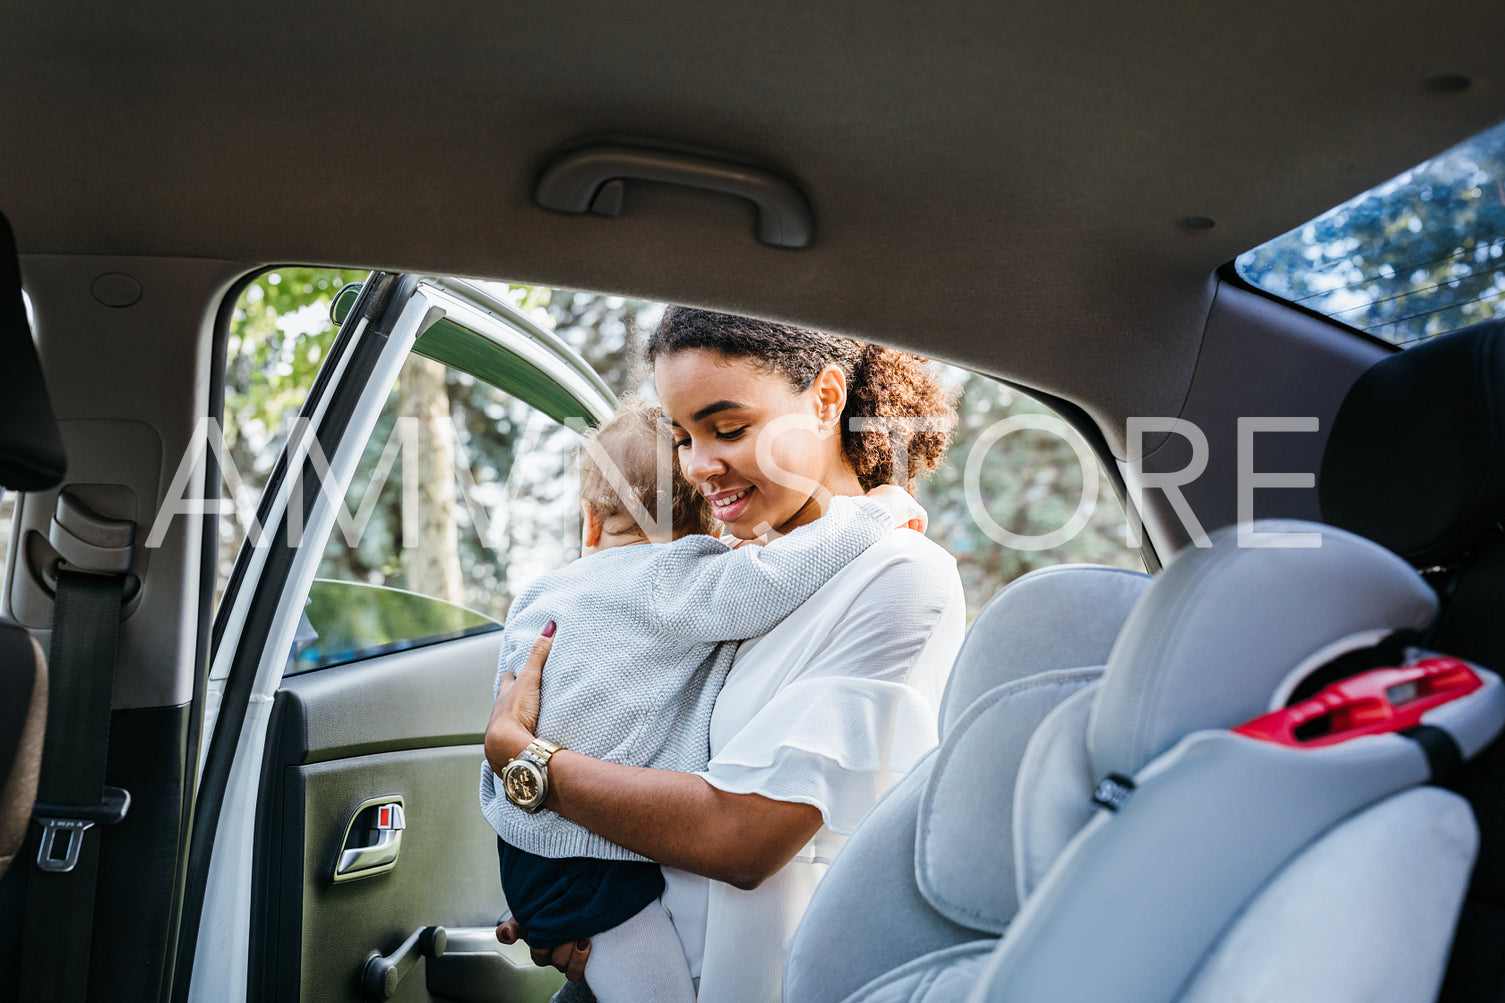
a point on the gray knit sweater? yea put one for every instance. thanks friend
(647, 633)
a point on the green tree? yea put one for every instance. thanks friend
(516, 465)
(1030, 484)
(1417, 256)
(279, 334)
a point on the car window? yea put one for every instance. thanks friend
(1018, 490)
(1038, 494)
(467, 488)
(358, 621)
(463, 495)
(280, 331)
(1415, 257)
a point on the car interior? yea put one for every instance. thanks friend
(251, 801)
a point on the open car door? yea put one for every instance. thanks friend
(338, 850)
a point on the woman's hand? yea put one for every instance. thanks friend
(514, 715)
(907, 513)
(568, 958)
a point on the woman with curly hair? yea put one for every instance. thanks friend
(819, 715)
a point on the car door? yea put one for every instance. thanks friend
(338, 828)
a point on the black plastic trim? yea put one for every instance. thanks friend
(132, 939)
(141, 858)
(1442, 751)
(266, 888)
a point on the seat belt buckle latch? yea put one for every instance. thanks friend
(72, 830)
(71, 822)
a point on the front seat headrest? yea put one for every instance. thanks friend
(1062, 617)
(1416, 457)
(1212, 641)
(31, 449)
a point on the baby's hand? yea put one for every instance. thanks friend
(907, 513)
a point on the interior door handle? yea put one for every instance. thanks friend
(592, 179)
(465, 965)
(373, 839)
(471, 967)
(382, 974)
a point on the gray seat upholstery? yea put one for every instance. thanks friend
(31, 458)
(1198, 886)
(1040, 639)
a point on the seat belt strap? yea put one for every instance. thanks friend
(72, 797)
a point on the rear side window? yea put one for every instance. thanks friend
(1018, 490)
(1415, 257)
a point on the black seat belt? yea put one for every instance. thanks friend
(72, 796)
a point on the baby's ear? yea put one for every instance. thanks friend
(591, 526)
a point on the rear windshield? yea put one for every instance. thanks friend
(1415, 257)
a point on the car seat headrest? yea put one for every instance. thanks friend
(1416, 456)
(31, 449)
(1219, 631)
(1062, 617)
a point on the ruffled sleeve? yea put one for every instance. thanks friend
(843, 696)
(831, 743)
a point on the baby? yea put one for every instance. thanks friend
(646, 635)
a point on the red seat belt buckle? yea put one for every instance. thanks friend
(1376, 702)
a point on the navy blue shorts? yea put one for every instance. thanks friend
(574, 898)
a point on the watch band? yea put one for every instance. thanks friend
(542, 750)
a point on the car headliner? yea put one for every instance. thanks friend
(1001, 185)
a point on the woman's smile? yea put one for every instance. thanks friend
(728, 505)
(747, 439)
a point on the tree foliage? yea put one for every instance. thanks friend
(1030, 484)
(1415, 257)
(279, 335)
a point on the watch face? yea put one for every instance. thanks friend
(521, 783)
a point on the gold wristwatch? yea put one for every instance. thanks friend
(526, 778)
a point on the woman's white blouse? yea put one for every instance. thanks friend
(826, 709)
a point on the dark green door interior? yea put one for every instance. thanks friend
(399, 728)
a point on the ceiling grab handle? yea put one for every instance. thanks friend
(592, 180)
